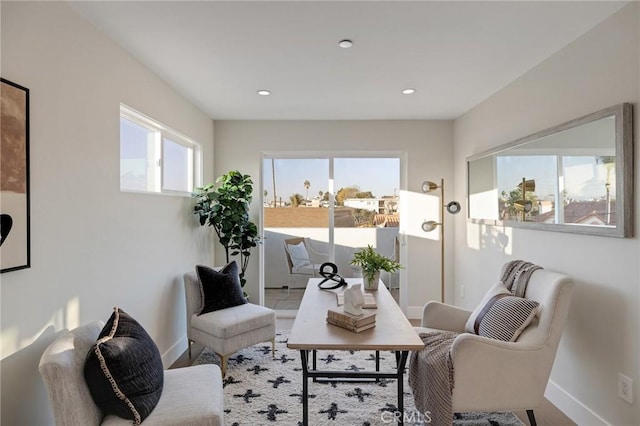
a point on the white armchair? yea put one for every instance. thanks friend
(228, 330)
(191, 395)
(493, 375)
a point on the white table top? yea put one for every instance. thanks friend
(393, 331)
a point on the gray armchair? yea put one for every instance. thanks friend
(493, 375)
(228, 330)
(191, 395)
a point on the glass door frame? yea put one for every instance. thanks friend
(332, 155)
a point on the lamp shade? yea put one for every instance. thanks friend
(428, 186)
(523, 205)
(529, 185)
(453, 207)
(429, 225)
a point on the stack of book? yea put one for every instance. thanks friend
(354, 323)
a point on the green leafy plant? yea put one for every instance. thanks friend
(372, 262)
(226, 209)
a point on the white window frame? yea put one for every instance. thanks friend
(155, 153)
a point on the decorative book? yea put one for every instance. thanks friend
(369, 300)
(355, 329)
(338, 315)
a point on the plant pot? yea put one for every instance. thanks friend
(373, 284)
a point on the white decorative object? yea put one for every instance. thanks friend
(353, 300)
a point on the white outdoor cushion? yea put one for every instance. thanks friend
(299, 255)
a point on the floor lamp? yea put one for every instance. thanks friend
(523, 205)
(452, 207)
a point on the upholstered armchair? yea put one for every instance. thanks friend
(228, 330)
(191, 395)
(495, 375)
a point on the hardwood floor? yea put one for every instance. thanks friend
(546, 415)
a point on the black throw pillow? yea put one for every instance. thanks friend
(220, 289)
(123, 369)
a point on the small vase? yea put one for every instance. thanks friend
(373, 284)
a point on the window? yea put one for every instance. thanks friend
(154, 158)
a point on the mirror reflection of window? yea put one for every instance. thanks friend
(590, 190)
(542, 169)
(574, 175)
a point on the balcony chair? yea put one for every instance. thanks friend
(302, 259)
(191, 395)
(494, 375)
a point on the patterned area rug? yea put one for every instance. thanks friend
(260, 390)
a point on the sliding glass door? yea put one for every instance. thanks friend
(332, 206)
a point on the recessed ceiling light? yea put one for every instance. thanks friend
(264, 92)
(408, 91)
(345, 44)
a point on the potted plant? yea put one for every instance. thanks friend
(371, 262)
(226, 209)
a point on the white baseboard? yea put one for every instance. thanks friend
(174, 352)
(414, 312)
(571, 407)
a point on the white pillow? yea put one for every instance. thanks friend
(497, 289)
(299, 255)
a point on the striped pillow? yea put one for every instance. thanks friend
(472, 323)
(505, 317)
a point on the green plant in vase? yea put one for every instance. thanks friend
(371, 262)
(226, 209)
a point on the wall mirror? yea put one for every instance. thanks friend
(575, 177)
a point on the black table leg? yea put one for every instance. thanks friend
(313, 364)
(304, 356)
(402, 360)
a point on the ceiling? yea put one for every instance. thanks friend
(455, 54)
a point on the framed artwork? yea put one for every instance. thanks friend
(15, 246)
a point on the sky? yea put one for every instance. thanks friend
(381, 176)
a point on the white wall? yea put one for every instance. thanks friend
(239, 145)
(93, 247)
(602, 336)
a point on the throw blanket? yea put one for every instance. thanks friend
(515, 276)
(431, 377)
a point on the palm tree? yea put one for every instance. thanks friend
(296, 200)
(307, 185)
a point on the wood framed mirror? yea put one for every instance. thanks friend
(575, 177)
